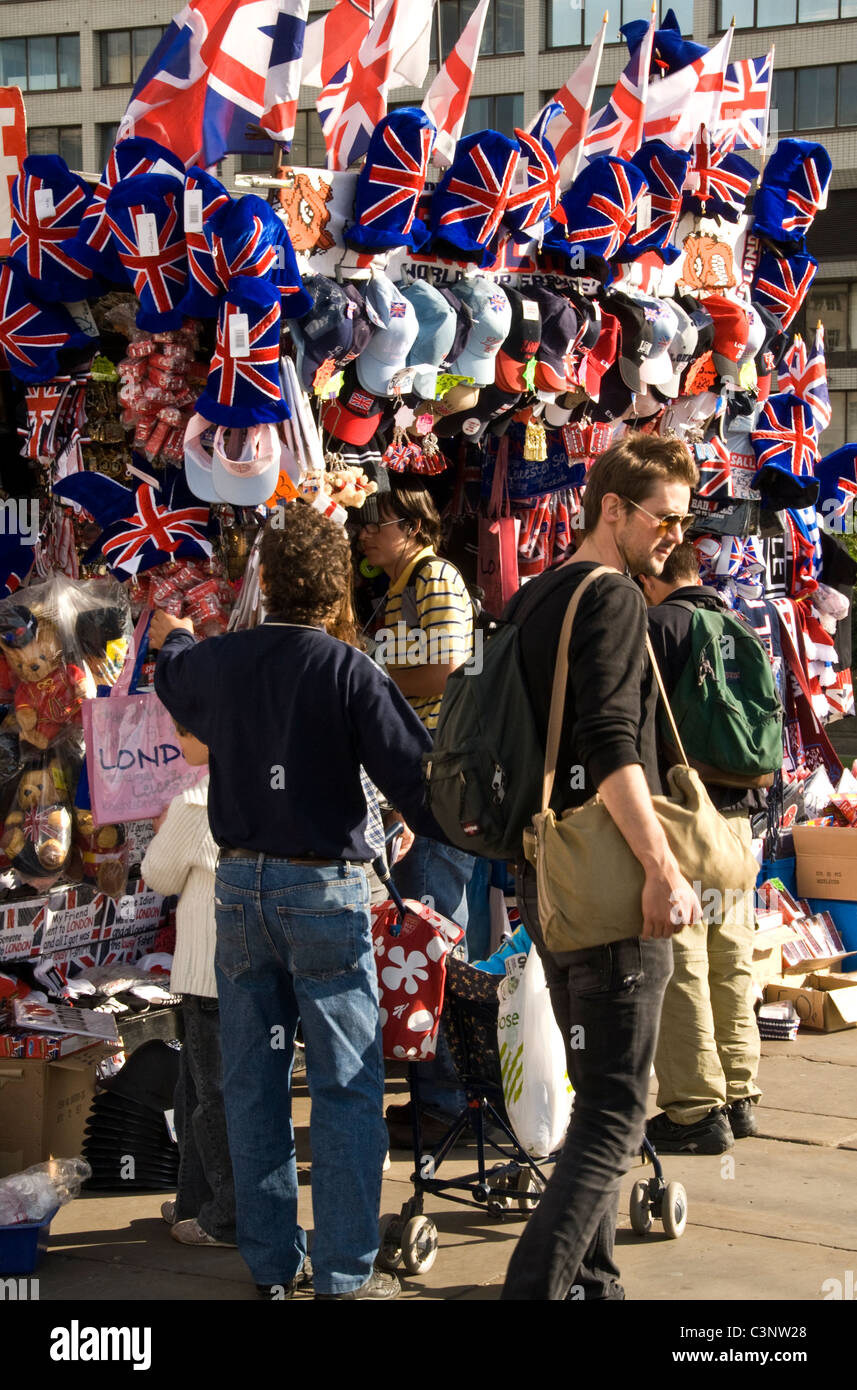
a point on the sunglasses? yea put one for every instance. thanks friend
(666, 523)
(373, 527)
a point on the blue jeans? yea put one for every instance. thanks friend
(293, 941)
(439, 873)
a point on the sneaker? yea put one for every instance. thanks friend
(302, 1283)
(191, 1233)
(378, 1285)
(741, 1119)
(710, 1135)
(168, 1212)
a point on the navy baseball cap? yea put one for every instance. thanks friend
(336, 328)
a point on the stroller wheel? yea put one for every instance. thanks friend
(419, 1245)
(674, 1210)
(390, 1253)
(641, 1209)
(529, 1191)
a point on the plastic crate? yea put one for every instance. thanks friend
(22, 1246)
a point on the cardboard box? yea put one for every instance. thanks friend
(825, 1001)
(768, 952)
(44, 1106)
(826, 862)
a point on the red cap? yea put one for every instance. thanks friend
(731, 327)
(600, 358)
(353, 417)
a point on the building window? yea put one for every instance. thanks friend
(105, 135)
(833, 303)
(569, 23)
(256, 163)
(843, 421)
(502, 113)
(308, 146)
(771, 14)
(44, 63)
(64, 140)
(123, 53)
(809, 99)
(504, 25)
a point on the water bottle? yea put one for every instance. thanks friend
(36, 1192)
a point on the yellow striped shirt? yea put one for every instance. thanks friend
(445, 616)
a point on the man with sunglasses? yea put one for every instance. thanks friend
(607, 998)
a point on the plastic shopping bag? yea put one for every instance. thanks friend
(410, 958)
(536, 1088)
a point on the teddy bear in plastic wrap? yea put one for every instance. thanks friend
(37, 833)
(50, 692)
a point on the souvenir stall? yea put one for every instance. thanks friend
(181, 361)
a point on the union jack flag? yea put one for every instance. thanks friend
(483, 192)
(720, 178)
(617, 211)
(168, 267)
(806, 193)
(813, 383)
(744, 105)
(781, 285)
(354, 100)
(153, 524)
(19, 322)
(793, 366)
(199, 257)
(37, 242)
(785, 435)
(715, 469)
(618, 127)
(42, 401)
(403, 173)
(531, 206)
(227, 372)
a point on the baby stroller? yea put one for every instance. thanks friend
(511, 1185)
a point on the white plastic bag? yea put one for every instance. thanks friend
(536, 1088)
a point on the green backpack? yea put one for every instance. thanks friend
(484, 773)
(725, 703)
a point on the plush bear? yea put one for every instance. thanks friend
(50, 693)
(37, 834)
(105, 853)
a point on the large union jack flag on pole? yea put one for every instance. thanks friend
(221, 65)
(618, 127)
(806, 375)
(745, 105)
(679, 104)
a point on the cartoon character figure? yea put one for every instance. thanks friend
(305, 212)
(708, 263)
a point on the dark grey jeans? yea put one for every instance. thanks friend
(611, 996)
(205, 1187)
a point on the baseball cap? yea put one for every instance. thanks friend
(356, 415)
(559, 331)
(602, 356)
(245, 464)
(490, 315)
(437, 321)
(589, 319)
(198, 441)
(656, 367)
(636, 337)
(731, 330)
(682, 349)
(614, 396)
(336, 328)
(385, 356)
(701, 319)
(474, 420)
(521, 344)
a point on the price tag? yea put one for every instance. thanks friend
(401, 382)
(644, 212)
(519, 178)
(147, 234)
(322, 376)
(170, 1121)
(528, 376)
(193, 210)
(239, 335)
(44, 201)
(529, 309)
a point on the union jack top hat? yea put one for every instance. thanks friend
(145, 218)
(204, 195)
(793, 188)
(48, 202)
(32, 335)
(468, 204)
(664, 170)
(127, 159)
(784, 442)
(390, 184)
(244, 385)
(781, 283)
(247, 239)
(600, 208)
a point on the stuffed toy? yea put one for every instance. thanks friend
(50, 693)
(37, 834)
(105, 853)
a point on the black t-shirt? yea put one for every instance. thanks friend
(611, 698)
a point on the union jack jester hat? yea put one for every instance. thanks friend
(793, 188)
(535, 197)
(204, 195)
(144, 526)
(48, 202)
(664, 170)
(243, 386)
(781, 284)
(785, 443)
(391, 182)
(128, 159)
(145, 218)
(468, 204)
(32, 335)
(247, 239)
(600, 209)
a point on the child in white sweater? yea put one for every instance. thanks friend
(182, 859)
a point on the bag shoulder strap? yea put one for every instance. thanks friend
(560, 683)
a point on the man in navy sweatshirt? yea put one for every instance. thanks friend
(289, 715)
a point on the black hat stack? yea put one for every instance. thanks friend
(127, 1143)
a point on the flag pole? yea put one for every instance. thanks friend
(764, 158)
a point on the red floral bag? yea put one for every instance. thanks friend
(410, 957)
